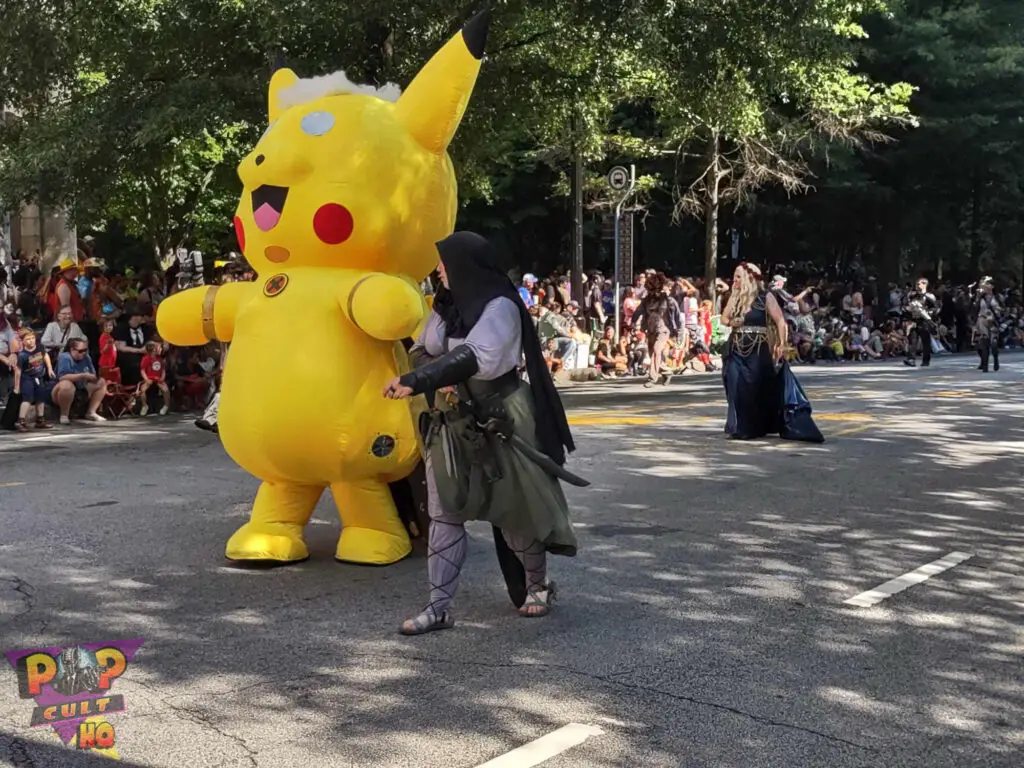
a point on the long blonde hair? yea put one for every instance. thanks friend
(745, 293)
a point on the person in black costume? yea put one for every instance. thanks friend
(919, 310)
(988, 313)
(495, 445)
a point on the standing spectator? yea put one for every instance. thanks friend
(34, 379)
(131, 338)
(101, 302)
(151, 293)
(593, 302)
(564, 290)
(8, 355)
(64, 291)
(528, 289)
(77, 379)
(629, 307)
(8, 294)
(60, 332)
(108, 347)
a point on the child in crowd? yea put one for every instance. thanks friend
(108, 347)
(154, 372)
(35, 381)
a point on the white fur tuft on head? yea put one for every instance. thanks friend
(310, 89)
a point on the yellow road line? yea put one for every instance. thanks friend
(851, 430)
(589, 421)
(10, 485)
(843, 417)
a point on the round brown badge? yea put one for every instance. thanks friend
(275, 285)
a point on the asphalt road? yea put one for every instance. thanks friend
(702, 624)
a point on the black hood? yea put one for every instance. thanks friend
(474, 280)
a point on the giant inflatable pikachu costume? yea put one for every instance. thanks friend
(344, 199)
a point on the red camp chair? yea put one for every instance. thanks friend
(120, 400)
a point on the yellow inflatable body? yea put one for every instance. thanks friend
(344, 199)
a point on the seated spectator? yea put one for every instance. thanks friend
(34, 379)
(195, 374)
(154, 373)
(609, 360)
(551, 356)
(639, 354)
(553, 327)
(77, 380)
(58, 333)
(8, 355)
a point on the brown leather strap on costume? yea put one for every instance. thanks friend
(209, 327)
(352, 298)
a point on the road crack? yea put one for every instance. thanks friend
(612, 680)
(25, 590)
(204, 720)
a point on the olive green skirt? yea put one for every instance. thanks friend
(479, 476)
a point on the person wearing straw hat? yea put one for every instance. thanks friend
(65, 292)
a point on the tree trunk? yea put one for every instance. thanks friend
(711, 206)
(976, 245)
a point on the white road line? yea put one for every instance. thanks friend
(893, 586)
(544, 748)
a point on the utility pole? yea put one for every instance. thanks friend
(624, 182)
(577, 217)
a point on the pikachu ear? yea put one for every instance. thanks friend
(282, 78)
(433, 105)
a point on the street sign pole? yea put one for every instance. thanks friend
(614, 178)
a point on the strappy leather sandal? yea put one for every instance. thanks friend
(427, 622)
(536, 606)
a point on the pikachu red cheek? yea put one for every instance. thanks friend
(333, 224)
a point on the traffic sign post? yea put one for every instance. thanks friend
(620, 179)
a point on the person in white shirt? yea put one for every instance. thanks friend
(60, 332)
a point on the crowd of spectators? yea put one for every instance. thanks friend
(81, 340)
(830, 320)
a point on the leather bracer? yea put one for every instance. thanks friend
(447, 370)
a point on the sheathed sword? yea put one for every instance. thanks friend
(545, 462)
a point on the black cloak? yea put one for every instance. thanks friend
(475, 280)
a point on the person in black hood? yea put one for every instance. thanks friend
(496, 445)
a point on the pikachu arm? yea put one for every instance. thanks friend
(192, 318)
(382, 306)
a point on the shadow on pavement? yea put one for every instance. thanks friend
(703, 622)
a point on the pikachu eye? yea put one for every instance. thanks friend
(317, 123)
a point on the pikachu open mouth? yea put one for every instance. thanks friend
(267, 205)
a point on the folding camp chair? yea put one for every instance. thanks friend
(120, 400)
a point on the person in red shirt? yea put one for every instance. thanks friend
(704, 315)
(108, 347)
(154, 372)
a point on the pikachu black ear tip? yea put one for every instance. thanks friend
(474, 33)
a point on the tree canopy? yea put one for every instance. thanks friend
(896, 124)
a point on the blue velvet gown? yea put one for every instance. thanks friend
(763, 399)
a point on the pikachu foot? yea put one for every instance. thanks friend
(270, 543)
(365, 546)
